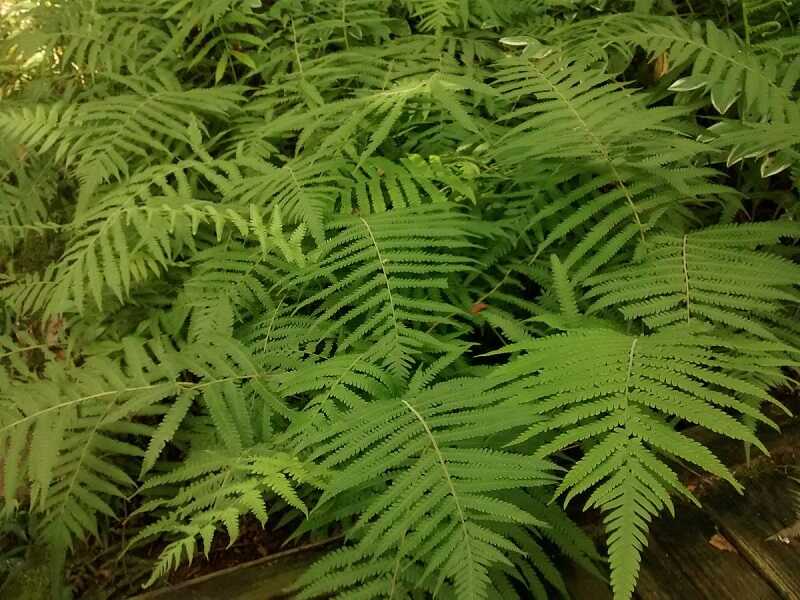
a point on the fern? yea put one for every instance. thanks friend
(69, 425)
(713, 275)
(773, 144)
(98, 136)
(582, 123)
(620, 399)
(217, 487)
(759, 82)
(404, 269)
(435, 521)
(26, 196)
(372, 266)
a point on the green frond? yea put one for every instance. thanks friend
(212, 490)
(138, 228)
(716, 275)
(304, 189)
(99, 137)
(63, 432)
(103, 37)
(440, 498)
(623, 394)
(773, 144)
(371, 271)
(575, 122)
(26, 197)
(380, 184)
(422, 265)
(704, 59)
(232, 284)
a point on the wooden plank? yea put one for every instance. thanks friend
(265, 579)
(749, 520)
(681, 564)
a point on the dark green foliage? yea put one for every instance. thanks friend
(409, 270)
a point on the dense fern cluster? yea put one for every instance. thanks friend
(409, 270)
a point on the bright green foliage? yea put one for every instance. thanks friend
(379, 275)
(708, 60)
(618, 391)
(712, 275)
(408, 270)
(440, 504)
(218, 487)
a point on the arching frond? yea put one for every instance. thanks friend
(705, 60)
(619, 392)
(370, 271)
(215, 488)
(715, 275)
(434, 520)
(631, 163)
(100, 138)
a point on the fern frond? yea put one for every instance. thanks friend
(26, 198)
(337, 385)
(618, 392)
(304, 189)
(576, 121)
(329, 128)
(716, 275)
(380, 184)
(372, 270)
(774, 144)
(436, 15)
(232, 284)
(138, 227)
(440, 498)
(100, 137)
(215, 488)
(104, 37)
(708, 59)
(64, 431)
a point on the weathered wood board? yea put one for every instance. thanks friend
(682, 564)
(266, 579)
(749, 520)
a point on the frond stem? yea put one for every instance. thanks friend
(443, 464)
(385, 277)
(686, 278)
(628, 376)
(185, 385)
(600, 147)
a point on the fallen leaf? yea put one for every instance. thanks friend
(720, 542)
(661, 66)
(787, 535)
(478, 308)
(54, 327)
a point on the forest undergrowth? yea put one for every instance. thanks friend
(433, 275)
